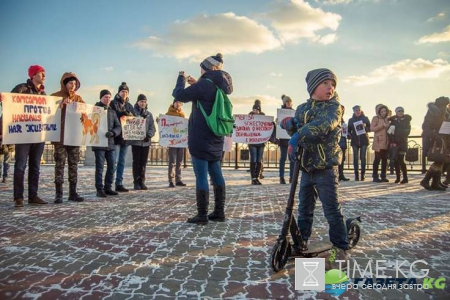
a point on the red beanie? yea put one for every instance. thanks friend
(33, 70)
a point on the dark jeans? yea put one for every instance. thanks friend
(201, 170)
(140, 157)
(121, 153)
(100, 157)
(6, 159)
(380, 156)
(283, 157)
(256, 153)
(323, 184)
(359, 152)
(176, 156)
(32, 152)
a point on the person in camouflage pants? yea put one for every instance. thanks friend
(69, 85)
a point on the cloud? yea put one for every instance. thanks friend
(444, 54)
(439, 16)
(108, 69)
(333, 2)
(327, 39)
(441, 37)
(203, 35)
(147, 93)
(403, 70)
(276, 74)
(296, 19)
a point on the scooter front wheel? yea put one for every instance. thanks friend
(353, 233)
(280, 254)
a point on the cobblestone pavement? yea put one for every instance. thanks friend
(138, 245)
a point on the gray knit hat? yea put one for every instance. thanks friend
(212, 61)
(316, 77)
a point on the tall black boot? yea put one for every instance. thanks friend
(73, 195)
(375, 176)
(436, 182)
(397, 172)
(356, 175)
(363, 172)
(258, 172)
(253, 173)
(405, 174)
(218, 214)
(202, 208)
(384, 170)
(426, 180)
(59, 193)
(136, 185)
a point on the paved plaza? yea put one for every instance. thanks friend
(138, 245)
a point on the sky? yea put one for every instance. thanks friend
(394, 52)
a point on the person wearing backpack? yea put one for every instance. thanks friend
(204, 145)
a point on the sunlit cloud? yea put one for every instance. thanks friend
(204, 35)
(444, 54)
(439, 16)
(327, 39)
(333, 2)
(296, 19)
(276, 74)
(108, 69)
(440, 37)
(91, 93)
(403, 70)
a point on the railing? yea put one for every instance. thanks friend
(238, 157)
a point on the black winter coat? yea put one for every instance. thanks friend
(113, 126)
(401, 132)
(431, 125)
(202, 142)
(122, 108)
(358, 140)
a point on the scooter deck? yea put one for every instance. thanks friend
(313, 249)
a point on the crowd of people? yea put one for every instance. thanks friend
(318, 140)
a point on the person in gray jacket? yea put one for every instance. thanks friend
(140, 149)
(106, 153)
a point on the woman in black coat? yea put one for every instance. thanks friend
(398, 132)
(431, 125)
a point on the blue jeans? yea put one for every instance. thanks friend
(202, 168)
(256, 153)
(283, 157)
(100, 157)
(323, 184)
(359, 152)
(32, 152)
(121, 154)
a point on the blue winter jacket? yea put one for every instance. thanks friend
(202, 142)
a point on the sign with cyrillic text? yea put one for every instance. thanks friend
(252, 129)
(173, 131)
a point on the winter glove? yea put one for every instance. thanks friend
(391, 129)
(289, 123)
(109, 134)
(293, 146)
(146, 139)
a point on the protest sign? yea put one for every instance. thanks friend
(133, 128)
(252, 129)
(281, 114)
(173, 131)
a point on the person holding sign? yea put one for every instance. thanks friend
(379, 126)
(122, 107)
(108, 153)
(284, 144)
(140, 149)
(358, 127)
(256, 150)
(343, 145)
(398, 131)
(33, 151)
(431, 125)
(176, 155)
(204, 146)
(69, 86)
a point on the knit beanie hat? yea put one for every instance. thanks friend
(68, 79)
(285, 99)
(33, 70)
(316, 77)
(212, 61)
(123, 86)
(141, 97)
(356, 107)
(399, 109)
(104, 92)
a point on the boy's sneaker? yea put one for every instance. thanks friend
(180, 183)
(336, 254)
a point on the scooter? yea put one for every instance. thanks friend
(282, 250)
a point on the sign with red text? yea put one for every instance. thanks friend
(85, 124)
(281, 114)
(173, 131)
(133, 128)
(30, 119)
(252, 129)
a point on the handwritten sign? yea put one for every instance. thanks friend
(30, 119)
(445, 128)
(252, 129)
(227, 144)
(133, 128)
(173, 131)
(281, 114)
(85, 124)
(344, 132)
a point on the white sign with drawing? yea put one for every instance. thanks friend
(359, 128)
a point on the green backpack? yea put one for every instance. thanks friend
(221, 119)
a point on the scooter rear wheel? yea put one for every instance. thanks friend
(353, 233)
(280, 254)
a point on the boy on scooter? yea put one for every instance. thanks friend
(315, 131)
